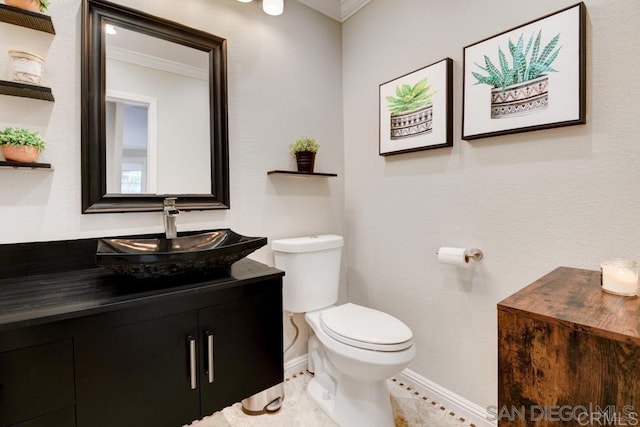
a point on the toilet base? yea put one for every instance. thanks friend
(348, 401)
(350, 383)
(352, 402)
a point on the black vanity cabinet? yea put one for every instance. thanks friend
(35, 382)
(137, 375)
(91, 349)
(178, 368)
(245, 349)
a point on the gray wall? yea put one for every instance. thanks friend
(531, 201)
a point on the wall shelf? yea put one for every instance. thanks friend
(283, 172)
(27, 19)
(39, 22)
(25, 90)
(5, 164)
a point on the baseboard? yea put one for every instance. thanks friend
(296, 365)
(462, 407)
(458, 404)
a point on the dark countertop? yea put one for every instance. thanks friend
(573, 297)
(43, 298)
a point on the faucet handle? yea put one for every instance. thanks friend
(170, 202)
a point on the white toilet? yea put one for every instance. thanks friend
(353, 349)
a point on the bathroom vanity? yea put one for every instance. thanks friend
(81, 346)
(568, 349)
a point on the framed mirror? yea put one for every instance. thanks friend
(154, 113)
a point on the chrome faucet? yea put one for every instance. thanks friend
(170, 214)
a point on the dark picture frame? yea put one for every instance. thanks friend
(530, 77)
(416, 110)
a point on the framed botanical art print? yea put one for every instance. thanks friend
(416, 110)
(527, 78)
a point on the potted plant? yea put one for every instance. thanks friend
(30, 5)
(522, 87)
(305, 150)
(21, 145)
(411, 110)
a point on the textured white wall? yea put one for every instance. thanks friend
(531, 201)
(285, 80)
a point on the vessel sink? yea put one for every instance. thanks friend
(208, 252)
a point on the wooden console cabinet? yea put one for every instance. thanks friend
(89, 348)
(568, 350)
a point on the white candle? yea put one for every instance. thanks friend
(620, 277)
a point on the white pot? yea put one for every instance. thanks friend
(520, 98)
(412, 123)
(25, 67)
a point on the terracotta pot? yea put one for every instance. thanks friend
(31, 5)
(20, 153)
(305, 160)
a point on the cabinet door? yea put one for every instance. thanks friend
(138, 375)
(246, 338)
(35, 380)
(62, 418)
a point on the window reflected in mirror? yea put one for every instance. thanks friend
(131, 145)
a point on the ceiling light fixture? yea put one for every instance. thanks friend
(270, 7)
(273, 7)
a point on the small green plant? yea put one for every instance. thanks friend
(44, 5)
(525, 67)
(18, 137)
(410, 98)
(305, 144)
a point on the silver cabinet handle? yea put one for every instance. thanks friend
(209, 336)
(192, 361)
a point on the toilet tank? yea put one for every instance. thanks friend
(312, 271)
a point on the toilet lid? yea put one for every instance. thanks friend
(365, 328)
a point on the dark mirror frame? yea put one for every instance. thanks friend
(95, 198)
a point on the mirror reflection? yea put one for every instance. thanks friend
(155, 144)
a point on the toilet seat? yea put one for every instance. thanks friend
(365, 328)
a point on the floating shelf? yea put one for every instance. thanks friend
(15, 165)
(27, 19)
(25, 90)
(300, 173)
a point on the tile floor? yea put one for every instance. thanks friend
(410, 409)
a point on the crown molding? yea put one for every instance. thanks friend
(350, 7)
(340, 10)
(144, 60)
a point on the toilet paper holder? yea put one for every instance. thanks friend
(470, 254)
(474, 254)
